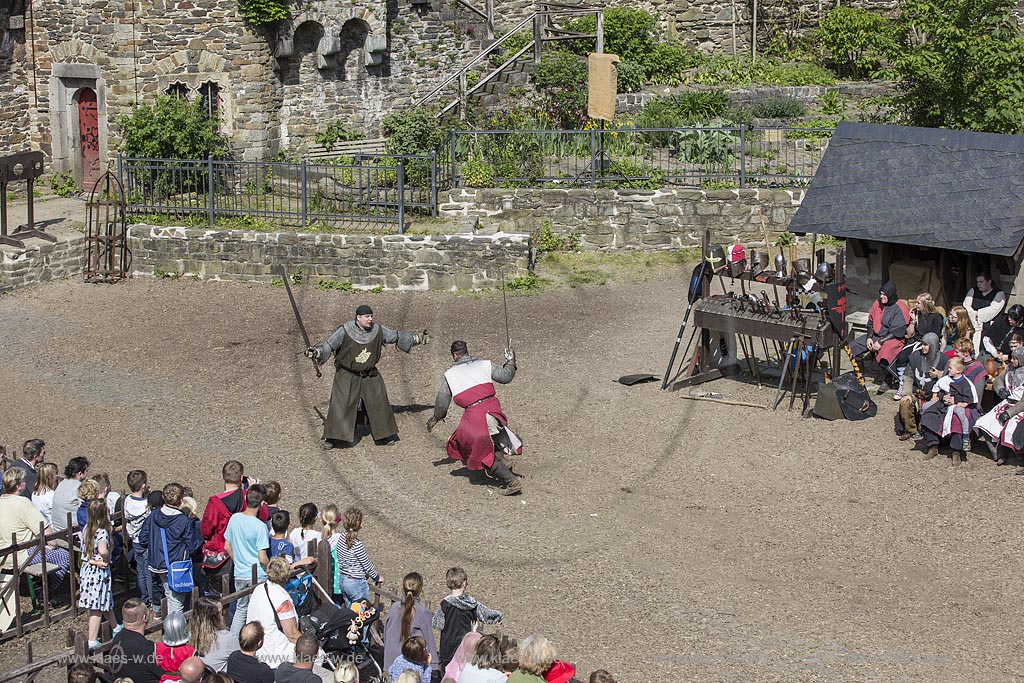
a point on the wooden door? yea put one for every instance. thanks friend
(89, 137)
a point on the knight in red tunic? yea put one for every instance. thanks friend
(483, 439)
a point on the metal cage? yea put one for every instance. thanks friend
(107, 256)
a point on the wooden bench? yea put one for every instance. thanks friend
(346, 149)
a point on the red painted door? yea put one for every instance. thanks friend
(89, 137)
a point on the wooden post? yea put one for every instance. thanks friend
(600, 32)
(753, 33)
(489, 11)
(536, 38)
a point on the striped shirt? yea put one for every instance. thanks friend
(353, 562)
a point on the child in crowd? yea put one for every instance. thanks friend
(94, 578)
(601, 676)
(87, 492)
(964, 394)
(112, 498)
(136, 510)
(414, 656)
(155, 501)
(280, 546)
(305, 532)
(354, 567)
(173, 648)
(329, 535)
(273, 498)
(457, 612)
(346, 673)
(42, 494)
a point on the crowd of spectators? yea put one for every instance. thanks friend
(243, 538)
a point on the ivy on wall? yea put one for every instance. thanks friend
(262, 12)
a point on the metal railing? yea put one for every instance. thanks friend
(636, 157)
(376, 188)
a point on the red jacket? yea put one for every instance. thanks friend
(218, 511)
(170, 658)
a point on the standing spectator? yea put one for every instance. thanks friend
(280, 546)
(32, 453)
(412, 619)
(983, 304)
(273, 498)
(20, 521)
(486, 663)
(136, 510)
(97, 594)
(354, 567)
(133, 656)
(457, 613)
(414, 656)
(88, 491)
(246, 542)
(219, 508)
(329, 535)
(602, 676)
(536, 655)
(305, 532)
(169, 526)
(271, 606)
(210, 635)
(42, 494)
(112, 498)
(301, 670)
(65, 498)
(243, 667)
(174, 647)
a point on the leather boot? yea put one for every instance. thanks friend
(510, 483)
(932, 452)
(957, 458)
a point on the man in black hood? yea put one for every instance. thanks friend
(887, 326)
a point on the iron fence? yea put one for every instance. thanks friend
(636, 157)
(376, 188)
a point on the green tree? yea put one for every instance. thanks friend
(856, 38)
(170, 129)
(962, 65)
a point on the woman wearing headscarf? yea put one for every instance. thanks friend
(887, 326)
(999, 425)
(927, 363)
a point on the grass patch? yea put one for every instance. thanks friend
(530, 283)
(326, 285)
(589, 276)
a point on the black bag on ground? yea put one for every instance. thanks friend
(844, 398)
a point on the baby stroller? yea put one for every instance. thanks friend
(340, 632)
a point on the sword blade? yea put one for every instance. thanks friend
(298, 318)
(504, 300)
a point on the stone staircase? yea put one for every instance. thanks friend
(498, 90)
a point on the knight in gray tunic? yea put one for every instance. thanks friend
(357, 347)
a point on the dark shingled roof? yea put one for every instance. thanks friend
(928, 186)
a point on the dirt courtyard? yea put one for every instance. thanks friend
(659, 538)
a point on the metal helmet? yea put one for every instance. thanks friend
(755, 261)
(716, 258)
(175, 630)
(802, 270)
(780, 265)
(825, 273)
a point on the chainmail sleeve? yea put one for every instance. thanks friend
(443, 400)
(503, 374)
(403, 340)
(327, 348)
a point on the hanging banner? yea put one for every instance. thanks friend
(602, 80)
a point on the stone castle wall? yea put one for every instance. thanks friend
(15, 105)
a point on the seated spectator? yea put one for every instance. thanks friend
(414, 656)
(21, 521)
(408, 619)
(601, 676)
(82, 673)
(536, 655)
(983, 304)
(307, 530)
(999, 425)
(485, 666)
(42, 494)
(280, 546)
(923, 319)
(951, 413)
(457, 614)
(173, 648)
(1004, 328)
(210, 636)
(887, 326)
(65, 498)
(33, 452)
(957, 326)
(301, 669)
(243, 666)
(271, 606)
(509, 654)
(192, 670)
(924, 368)
(133, 655)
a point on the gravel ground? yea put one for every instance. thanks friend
(659, 538)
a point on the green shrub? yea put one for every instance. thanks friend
(832, 103)
(64, 185)
(665, 63)
(170, 129)
(722, 70)
(815, 129)
(631, 77)
(547, 240)
(261, 12)
(705, 146)
(561, 70)
(778, 107)
(638, 175)
(337, 132)
(562, 77)
(334, 285)
(628, 33)
(525, 284)
(857, 39)
(682, 110)
(412, 131)
(512, 45)
(478, 173)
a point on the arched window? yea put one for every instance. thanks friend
(209, 92)
(179, 90)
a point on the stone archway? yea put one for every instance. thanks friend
(76, 89)
(351, 55)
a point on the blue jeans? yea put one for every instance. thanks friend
(354, 589)
(143, 578)
(241, 606)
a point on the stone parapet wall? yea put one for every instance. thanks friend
(42, 261)
(401, 262)
(637, 219)
(15, 123)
